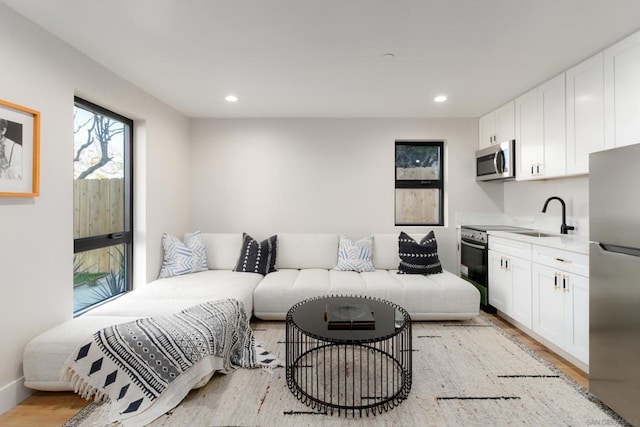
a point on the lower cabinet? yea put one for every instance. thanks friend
(544, 289)
(561, 302)
(510, 278)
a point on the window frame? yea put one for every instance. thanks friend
(124, 237)
(403, 184)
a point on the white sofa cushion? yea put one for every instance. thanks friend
(45, 355)
(386, 250)
(307, 250)
(176, 293)
(435, 297)
(439, 296)
(223, 249)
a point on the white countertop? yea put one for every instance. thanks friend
(565, 242)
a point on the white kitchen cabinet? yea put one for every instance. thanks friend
(552, 113)
(528, 146)
(500, 293)
(505, 123)
(497, 126)
(487, 130)
(576, 332)
(541, 131)
(521, 302)
(561, 299)
(585, 113)
(548, 304)
(510, 278)
(622, 92)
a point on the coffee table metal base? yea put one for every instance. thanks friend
(357, 377)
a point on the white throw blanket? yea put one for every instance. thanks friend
(146, 367)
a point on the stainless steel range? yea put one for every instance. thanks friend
(474, 254)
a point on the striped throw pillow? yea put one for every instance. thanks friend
(257, 257)
(183, 258)
(418, 258)
(355, 255)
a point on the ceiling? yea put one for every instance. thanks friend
(325, 58)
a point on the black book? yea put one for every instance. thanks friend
(349, 316)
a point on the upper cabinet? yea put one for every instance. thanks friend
(622, 92)
(487, 130)
(553, 127)
(528, 146)
(585, 113)
(592, 106)
(540, 127)
(497, 126)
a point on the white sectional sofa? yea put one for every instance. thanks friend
(305, 264)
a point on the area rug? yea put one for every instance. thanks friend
(464, 374)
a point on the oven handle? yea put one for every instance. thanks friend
(472, 245)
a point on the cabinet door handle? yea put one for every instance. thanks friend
(531, 169)
(565, 286)
(555, 280)
(563, 260)
(506, 263)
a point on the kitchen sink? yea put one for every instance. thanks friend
(536, 234)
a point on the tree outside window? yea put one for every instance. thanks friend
(102, 226)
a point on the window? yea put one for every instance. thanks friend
(102, 205)
(419, 183)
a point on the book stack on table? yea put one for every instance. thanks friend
(349, 316)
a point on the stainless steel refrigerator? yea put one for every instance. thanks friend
(614, 271)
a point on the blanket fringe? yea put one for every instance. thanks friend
(83, 388)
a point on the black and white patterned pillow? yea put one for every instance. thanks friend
(257, 257)
(418, 258)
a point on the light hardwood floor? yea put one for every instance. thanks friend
(44, 409)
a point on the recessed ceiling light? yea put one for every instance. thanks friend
(440, 98)
(231, 98)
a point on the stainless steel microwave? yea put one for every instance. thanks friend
(497, 162)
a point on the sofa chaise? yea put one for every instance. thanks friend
(305, 268)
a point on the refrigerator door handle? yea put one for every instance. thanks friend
(620, 249)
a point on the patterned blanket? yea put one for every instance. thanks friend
(146, 367)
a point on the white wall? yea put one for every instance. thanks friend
(524, 200)
(36, 241)
(267, 176)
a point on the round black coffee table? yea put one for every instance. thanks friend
(358, 368)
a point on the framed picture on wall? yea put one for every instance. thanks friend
(19, 151)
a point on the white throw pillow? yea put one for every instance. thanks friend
(355, 255)
(183, 258)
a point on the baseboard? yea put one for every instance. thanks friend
(12, 394)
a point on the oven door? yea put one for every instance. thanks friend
(473, 267)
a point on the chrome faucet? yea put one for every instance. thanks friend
(564, 228)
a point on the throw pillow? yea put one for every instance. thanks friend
(183, 258)
(257, 257)
(418, 258)
(355, 255)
